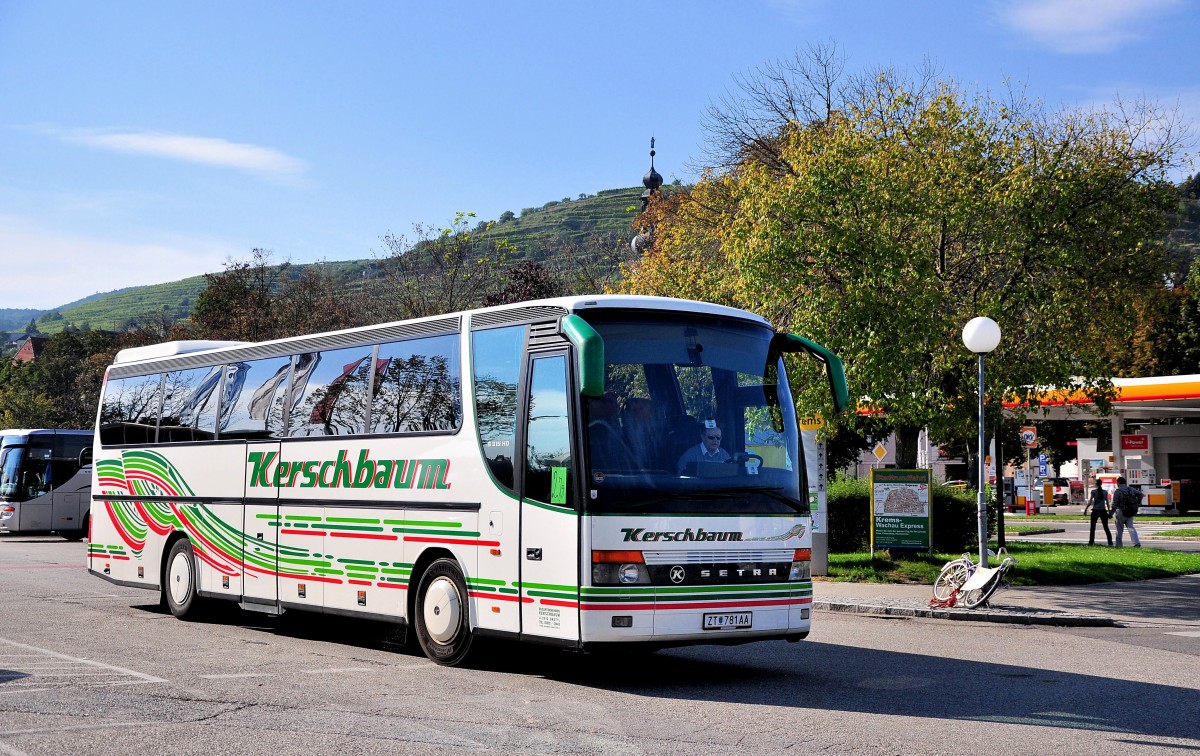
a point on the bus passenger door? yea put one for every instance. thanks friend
(549, 521)
(261, 525)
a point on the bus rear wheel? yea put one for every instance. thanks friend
(442, 620)
(179, 581)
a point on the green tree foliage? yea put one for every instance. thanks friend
(257, 299)
(443, 271)
(61, 388)
(525, 281)
(878, 215)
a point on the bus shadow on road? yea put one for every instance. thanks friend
(824, 676)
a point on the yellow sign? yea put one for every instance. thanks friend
(880, 451)
(812, 422)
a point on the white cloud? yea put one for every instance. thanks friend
(800, 12)
(1085, 26)
(45, 268)
(206, 150)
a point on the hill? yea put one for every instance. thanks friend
(532, 234)
(568, 220)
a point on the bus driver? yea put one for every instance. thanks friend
(708, 450)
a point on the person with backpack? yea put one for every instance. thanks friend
(1098, 501)
(1126, 500)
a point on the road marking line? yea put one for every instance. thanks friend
(334, 670)
(1187, 634)
(10, 751)
(140, 675)
(240, 674)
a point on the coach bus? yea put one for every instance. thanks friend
(45, 481)
(520, 471)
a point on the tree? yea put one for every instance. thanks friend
(61, 388)
(506, 216)
(525, 281)
(237, 303)
(443, 271)
(877, 215)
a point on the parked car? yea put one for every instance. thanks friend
(1062, 490)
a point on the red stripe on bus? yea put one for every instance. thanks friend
(556, 602)
(302, 532)
(499, 597)
(114, 556)
(456, 541)
(375, 536)
(303, 578)
(193, 532)
(401, 586)
(359, 582)
(126, 537)
(224, 569)
(620, 607)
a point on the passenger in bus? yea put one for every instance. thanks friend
(708, 450)
(609, 449)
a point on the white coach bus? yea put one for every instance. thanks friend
(531, 471)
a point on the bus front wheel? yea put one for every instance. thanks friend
(179, 580)
(441, 616)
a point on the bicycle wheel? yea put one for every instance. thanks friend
(972, 599)
(953, 575)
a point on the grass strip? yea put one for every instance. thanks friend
(1038, 564)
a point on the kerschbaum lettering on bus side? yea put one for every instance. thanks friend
(268, 471)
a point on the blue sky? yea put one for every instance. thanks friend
(143, 142)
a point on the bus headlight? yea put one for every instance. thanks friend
(619, 568)
(801, 565)
(631, 573)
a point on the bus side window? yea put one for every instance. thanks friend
(190, 405)
(548, 435)
(496, 358)
(418, 386)
(253, 398)
(129, 410)
(329, 392)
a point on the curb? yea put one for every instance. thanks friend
(1014, 617)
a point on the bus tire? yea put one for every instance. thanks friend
(179, 581)
(76, 535)
(442, 619)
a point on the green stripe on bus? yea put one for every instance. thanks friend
(548, 586)
(424, 531)
(485, 581)
(424, 523)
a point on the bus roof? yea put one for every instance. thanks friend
(573, 304)
(170, 349)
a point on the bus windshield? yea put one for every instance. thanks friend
(696, 417)
(11, 459)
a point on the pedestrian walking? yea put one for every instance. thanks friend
(1098, 501)
(1126, 500)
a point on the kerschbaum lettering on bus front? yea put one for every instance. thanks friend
(268, 471)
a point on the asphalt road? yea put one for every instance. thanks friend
(88, 667)
(1155, 532)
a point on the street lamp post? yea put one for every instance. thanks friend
(981, 335)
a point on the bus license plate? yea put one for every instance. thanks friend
(727, 621)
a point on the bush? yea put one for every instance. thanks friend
(955, 527)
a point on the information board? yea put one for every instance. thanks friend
(900, 509)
